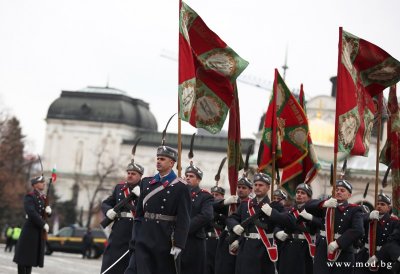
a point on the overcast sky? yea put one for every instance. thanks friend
(49, 46)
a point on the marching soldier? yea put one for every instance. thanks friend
(279, 196)
(162, 219)
(31, 244)
(194, 254)
(216, 227)
(116, 258)
(257, 250)
(297, 249)
(347, 230)
(386, 225)
(390, 252)
(225, 259)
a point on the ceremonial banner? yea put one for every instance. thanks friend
(391, 151)
(291, 128)
(235, 160)
(208, 69)
(305, 170)
(364, 71)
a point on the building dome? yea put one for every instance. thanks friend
(322, 132)
(102, 104)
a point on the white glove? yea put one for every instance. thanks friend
(231, 200)
(238, 229)
(46, 227)
(332, 246)
(281, 235)
(372, 260)
(374, 215)
(48, 210)
(233, 247)
(175, 251)
(267, 209)
(306, 215)
(332, 202)
(111, 214)
(136, 191)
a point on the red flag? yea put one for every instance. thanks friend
(305, 170)
(53, 174)
(391, 152)
(286, 120)
(364, 71)
(208, 69)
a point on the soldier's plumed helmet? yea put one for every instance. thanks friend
(132, 166)
(279, 193)
(37, 179)
(245, 181)
(218, 189)
(345, 184)
(167, 152)
(384, 198)
(262, 177)
(195, 170)
(306, 188)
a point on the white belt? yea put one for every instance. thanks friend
(212, 235)
(378, 247)
(257, 236)
(323, 234)
(125, 215)
(298, 236)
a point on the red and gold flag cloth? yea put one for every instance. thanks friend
(285, 115)
(391, 151)
(305, 170)
(364, 71)
(208, 69)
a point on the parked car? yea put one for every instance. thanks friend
(69, 239)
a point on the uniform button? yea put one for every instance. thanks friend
(158, 222)
(344, 213)
(146, 204)
(341, 220)
(385, 228)
(192, 200)
(339, 226)
(162, 206)
(164, 200)
(167, 191)
(120, 194)
(148, 188)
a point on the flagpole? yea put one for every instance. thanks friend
(178, 166)
(378, 144)
(338, 88)
(273, 133)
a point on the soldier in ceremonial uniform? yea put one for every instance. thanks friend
(162, 219)
(216, 226)
(257, 250)
(297, 236)
(279, 196)
(390, 252)
(347, 230)
(386, 225)
(194, 254)
(31, 244)
(118, 242)
(225, 259)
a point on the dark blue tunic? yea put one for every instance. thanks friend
(118, 242)
(31, 243)
(153, 238)
(194, 255)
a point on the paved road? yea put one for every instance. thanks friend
(58, 262)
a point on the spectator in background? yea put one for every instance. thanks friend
(87, 241)
(8, 234)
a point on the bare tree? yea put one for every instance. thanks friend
(105, 168)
